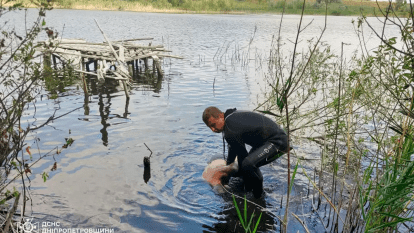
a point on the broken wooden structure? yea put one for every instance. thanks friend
(118, 60)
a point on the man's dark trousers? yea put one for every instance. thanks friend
(249, 165)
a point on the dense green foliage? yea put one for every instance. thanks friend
(334, 7)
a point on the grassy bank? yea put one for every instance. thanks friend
(313, 7)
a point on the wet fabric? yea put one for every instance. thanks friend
(249, 168)
(217, 173)
(251, 128)
(267, 139)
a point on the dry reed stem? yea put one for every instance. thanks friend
(301, 222)
(323, 194)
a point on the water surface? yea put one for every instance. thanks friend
(99, 181)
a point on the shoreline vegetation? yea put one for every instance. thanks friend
(312, 7)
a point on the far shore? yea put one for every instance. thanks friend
(312, 7)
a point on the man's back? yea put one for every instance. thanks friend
(254, 129)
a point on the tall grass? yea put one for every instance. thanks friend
(384, 202)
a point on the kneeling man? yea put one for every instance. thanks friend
(267, 139)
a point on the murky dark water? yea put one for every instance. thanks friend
(99, 181)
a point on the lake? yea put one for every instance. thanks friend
(99, 179)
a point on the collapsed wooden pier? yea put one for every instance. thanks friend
(118, 60)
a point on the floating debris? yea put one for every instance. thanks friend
(147, 166)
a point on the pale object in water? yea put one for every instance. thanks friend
(217, 171)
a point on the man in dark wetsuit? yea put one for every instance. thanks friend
(267, 139)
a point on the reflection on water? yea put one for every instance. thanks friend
(101, 180)
(147, 173)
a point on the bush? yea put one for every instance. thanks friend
(335, 12)
(162, 4)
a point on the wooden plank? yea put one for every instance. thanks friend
(168, 55)
(118, 76)
(109, 42)
(86, 56)
(148, 38)
(143, 47)
(123, 68)
(85, 72)
(141, 56)
(85, 48)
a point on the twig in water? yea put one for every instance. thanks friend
(301, 222)
(214, 82)
(317, 213)
(147, 158)
(323, 194)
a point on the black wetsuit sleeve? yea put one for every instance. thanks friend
(236, 148)
(232, 155)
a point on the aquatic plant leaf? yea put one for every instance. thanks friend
(45, 176)
(69, 141)
(336, 167)
(280, 104)
(257, 224)
(389, 224)
(293, 176)
(269, 113)
(238, 211)
(247, 229)
(245, 209)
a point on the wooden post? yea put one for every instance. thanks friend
(125, 88)
(139, 61)
(54, 61)
(130, 69)
(134, 72)
(85, 87)
(146, 63)
(86, 104)
(157, 62)
(88, 62)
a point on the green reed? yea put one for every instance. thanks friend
(244, 220)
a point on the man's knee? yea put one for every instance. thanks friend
(247, 165)
(250, 170)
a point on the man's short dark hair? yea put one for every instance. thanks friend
(211, 112)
